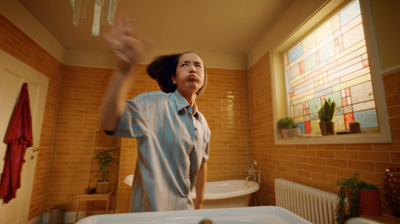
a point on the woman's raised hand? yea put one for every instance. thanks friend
(125, 43)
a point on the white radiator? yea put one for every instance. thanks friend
(314, 205)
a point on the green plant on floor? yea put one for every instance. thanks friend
(105, 159)
(327, 111)
(348, 197)
(285, 123)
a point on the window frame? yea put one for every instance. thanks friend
(278, 84)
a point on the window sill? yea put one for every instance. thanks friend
(360, 138)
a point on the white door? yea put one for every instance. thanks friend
(13, 74)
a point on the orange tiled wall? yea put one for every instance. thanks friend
(315, 165)
(19, 45)
(77, 121)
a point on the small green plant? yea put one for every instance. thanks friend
(294, 125)
(327, 111)
(105, 159)
(285, 123)
(348, 197)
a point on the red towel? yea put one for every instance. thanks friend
(18, 138)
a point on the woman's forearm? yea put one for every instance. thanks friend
(127, 48)
(113, 103)
(200, 185)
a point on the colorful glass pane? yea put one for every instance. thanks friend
(332, 62)
(348, 118)
(302, 127)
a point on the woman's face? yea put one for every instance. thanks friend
(189, 77)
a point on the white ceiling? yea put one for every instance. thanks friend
(226, 26)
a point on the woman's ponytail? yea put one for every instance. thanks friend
(161, 70)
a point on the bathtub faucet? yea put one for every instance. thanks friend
(250, 168)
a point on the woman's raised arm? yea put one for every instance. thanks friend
(127, 49)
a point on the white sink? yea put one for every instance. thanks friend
(253, 215)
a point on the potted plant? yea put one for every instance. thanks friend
(294, 131)
(284, 124)
(356, 197)
(325, 115)
(103, 185)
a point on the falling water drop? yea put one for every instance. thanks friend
(96, 19)
(84, 6)
(76, 4)
(111, 11)
(105, 11)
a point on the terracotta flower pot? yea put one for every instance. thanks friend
(370, 202)
(285, 133)
(327, 128)
(103, 187)
(294, 132)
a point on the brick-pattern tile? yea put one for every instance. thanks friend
(393, 89)
(394, 146)
(381, 167)
(346, 154)
(336, 163)
(395, 157)
(393, 100)
(367, 166)
(389, 79)
(394, 122)
(375, 156)
(359, 147)
(326, 154)
(394, 111)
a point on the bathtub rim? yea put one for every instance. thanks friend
(213, 196)
(232, 194)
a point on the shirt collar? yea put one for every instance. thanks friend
(180, 103)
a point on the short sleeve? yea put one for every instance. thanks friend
(136, 118)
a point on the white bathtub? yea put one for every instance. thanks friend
(222, 194)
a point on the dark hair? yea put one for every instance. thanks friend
(163, 67)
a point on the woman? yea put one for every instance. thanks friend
(172, 134)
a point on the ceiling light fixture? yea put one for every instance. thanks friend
(104, 12)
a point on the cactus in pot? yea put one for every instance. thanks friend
(325, 115)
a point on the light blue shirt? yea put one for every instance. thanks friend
(172, 144)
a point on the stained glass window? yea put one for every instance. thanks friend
(331, 62)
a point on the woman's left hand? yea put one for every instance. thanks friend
(126, 44)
